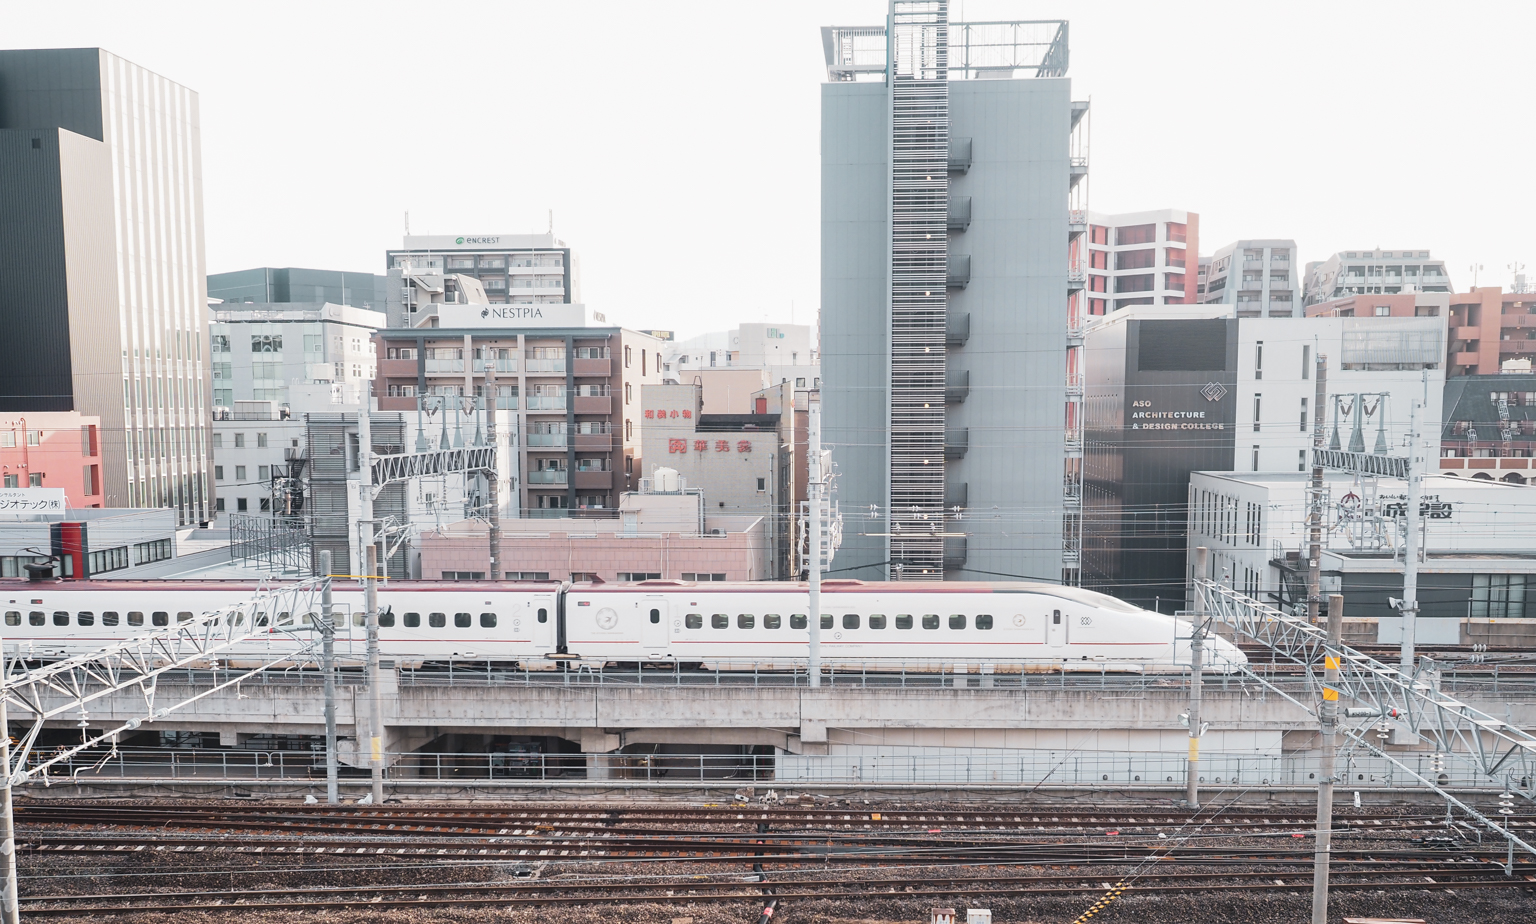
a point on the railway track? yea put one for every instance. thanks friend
(1439, 877)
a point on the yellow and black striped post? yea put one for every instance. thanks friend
(1114, 893)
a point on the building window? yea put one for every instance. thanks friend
(261, 440)
(639, 575)
(1136, 259)
(1136, 234)
(34, 437)
(263, 472)
(218, 505)
(218, 441)
(628, 392)
(156, 550)
(1255, 458)
(239, 440)
(1258, 363)
(1301, 460)
(1306, 363)
(1303, 415)
(629, 430)
(35, 479)
(762, 485)
(703, 576)
(218, 473)
(114, 559)
(1258, 401)
(12, 481)
(463, 576)
(239, 473)
(241, 504)
(266, 343)
(1498, 596)
(626, 357)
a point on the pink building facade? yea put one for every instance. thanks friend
(53, 449)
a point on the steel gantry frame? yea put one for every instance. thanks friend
(1497, 749)
(68, 687)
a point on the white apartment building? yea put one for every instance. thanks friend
(784, 352)
(513, 269)
(1256, 277)
(1141, 258)
(1375, 272)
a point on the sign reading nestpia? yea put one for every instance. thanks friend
(542, 315)
(32, 500)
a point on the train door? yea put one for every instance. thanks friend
(543, 622)
(1056, 630)
(654, 626)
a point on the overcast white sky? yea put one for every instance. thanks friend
(677, 143)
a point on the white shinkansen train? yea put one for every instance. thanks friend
(1029, 627)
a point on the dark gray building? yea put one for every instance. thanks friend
(101, 252)
(294, 284)
(948, 229)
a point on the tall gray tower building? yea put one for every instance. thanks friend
(953, 222)
(101, 250)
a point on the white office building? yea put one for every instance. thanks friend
(1375, 272)
(1257, 278)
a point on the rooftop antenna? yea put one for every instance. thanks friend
(407, 222)
(551, 222)
(1475, 268)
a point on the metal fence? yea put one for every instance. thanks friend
(909, 766)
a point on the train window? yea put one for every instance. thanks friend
(876, 621)
(1055, 617)
(797, 621)
(957, 622)
(13, 617)
(184, 616)
(931, 621)
(162, 618)
(543, 615)
(359, 619)
(109, 618)
(437, 620)
(461, 620)
(37, 618)
(694, 620)
(60, 618)
(413, 620)
(850, 620)
(386, 619)
(284, 618)
(720, 621)
(655, 617)
(745, 620)
(826, 620)
(984, 621)
(487, 620)
(86, 618)
(904, 621)
(135, 618)
(772, 620)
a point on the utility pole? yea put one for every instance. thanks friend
(1327, 715)
(9, 908)
(1315, 502)
(375, 697)
(1412, 520)
(370, 567)
(1196, 681)
(493, 496)
(328, 668)
(813, 483)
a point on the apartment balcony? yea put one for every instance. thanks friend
(958, 271)
(388, 403)
(1077, 170)
(1466, 358)
(1466, 333)
(602, 367)
(444, 366)
(959, 154)
(1077, 222)
(956, 494)
(954, 552)
(956, 442)
(544, 440)
(959, 213)
(397, 368)
(546, 402)
(592, 442)
(1077, 276)
(1253, 265)
(544, 366)
(508, 365)
(594, 480)
(957, 328)
(554, 269)
(594, 404)
(545, 476)
(957, 385)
